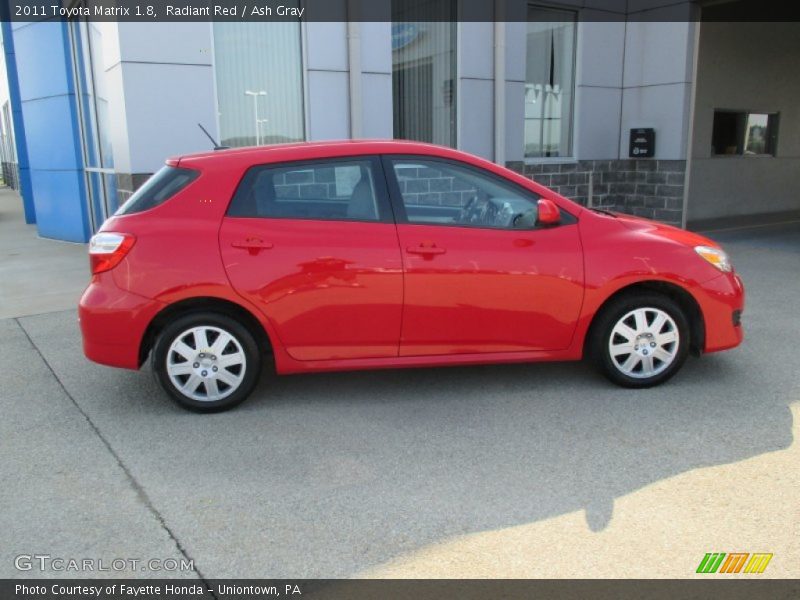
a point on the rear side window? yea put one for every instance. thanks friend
(340, 190)
(158, 189)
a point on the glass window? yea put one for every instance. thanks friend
(95, 39)
(442, 193)
(158, 189)
(93, 96)
(8, 151)
(756, 140)
(259, 79)
(95, 125)
(737, 133)
(726, 132)
(549, 82)
(340, 190)
(424, 71)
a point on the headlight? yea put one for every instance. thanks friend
(716, 257)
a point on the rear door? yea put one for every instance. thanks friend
(314, 246)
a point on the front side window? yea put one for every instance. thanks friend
(549, 82)
(424, 71)
(158, 189)
(442, 193)
(331, 190)
(259, 80)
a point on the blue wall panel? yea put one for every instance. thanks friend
(49, 113)
(57, 195)
(41, 47)
(50, 133)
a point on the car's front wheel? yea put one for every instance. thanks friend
(206, 361)
(641, 340)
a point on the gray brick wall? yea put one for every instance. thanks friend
(645, 188)
(431, 187)
(318, 183)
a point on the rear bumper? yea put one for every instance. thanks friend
(113, 322)
(722, 302)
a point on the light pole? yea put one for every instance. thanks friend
(255, 96)
(261, 122)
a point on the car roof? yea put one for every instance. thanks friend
(315, 149)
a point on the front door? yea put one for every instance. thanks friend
(479, 275)
(314, 246)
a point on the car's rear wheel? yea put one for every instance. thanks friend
(206, 361)
(640, 340)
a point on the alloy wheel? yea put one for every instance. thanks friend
(206, 363)
(644, 343)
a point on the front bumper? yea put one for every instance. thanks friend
(113, 322)
(722, 302)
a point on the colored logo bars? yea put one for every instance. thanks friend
(734, 562)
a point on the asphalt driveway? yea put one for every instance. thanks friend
(437, 472)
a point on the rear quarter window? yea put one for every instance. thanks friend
(162, 186)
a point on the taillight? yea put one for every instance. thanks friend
(107, 249)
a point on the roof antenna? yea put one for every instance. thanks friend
(208, 135)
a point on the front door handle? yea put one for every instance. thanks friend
(425, 249)
(253, 244)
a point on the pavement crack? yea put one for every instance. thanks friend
(137, 487)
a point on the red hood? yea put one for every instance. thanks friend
(666, 231)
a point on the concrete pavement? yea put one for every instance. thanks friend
(503, 471)
(38, 275)
(663, 529)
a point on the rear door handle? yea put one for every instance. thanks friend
(252, 243)
(425, 250)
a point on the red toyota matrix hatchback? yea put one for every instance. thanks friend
(372, 254)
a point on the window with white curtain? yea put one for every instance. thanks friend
(424, 71)
(549, 82)
(259, 76)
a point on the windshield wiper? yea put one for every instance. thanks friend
(602, 211)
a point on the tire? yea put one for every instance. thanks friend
(206, 362)
(655, 330)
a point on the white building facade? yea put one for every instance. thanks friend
(553, 92)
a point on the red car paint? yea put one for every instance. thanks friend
(341, 295)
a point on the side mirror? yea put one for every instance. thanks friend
(548, 213)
